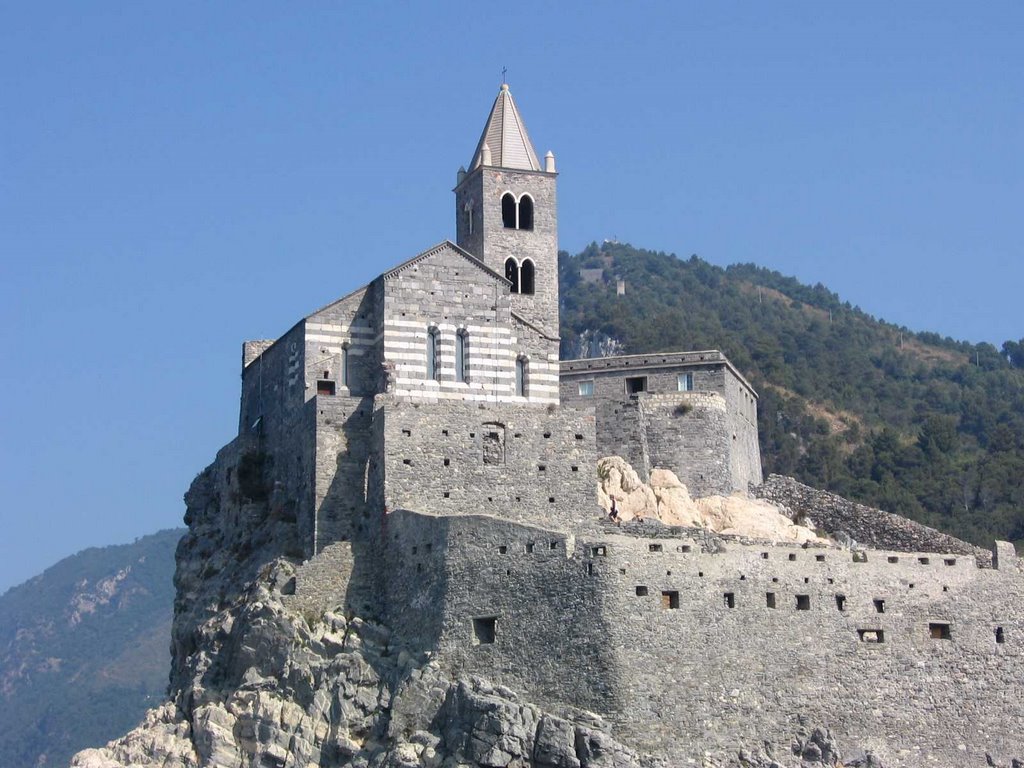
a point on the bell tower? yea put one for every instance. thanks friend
(506, 213)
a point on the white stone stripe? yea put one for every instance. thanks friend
(392, 323)
(393, 338)
(322, 338)
(439, 395)
(364, 330)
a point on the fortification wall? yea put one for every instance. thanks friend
(706, 659)
(869, 527)
(518, 462)
(512, 603)
(694, 643)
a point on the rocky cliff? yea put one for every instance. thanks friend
(255, 682)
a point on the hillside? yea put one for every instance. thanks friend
(84, 649)
(927, 427)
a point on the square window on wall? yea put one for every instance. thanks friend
(685, 382)
(587, 388)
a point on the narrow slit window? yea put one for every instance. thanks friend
(729, 598)
(434, 354)
(769, 599)
(521, 380)
(879, 605)
(344, 366)
(1000, 637)
(841, 602)
(461, 357)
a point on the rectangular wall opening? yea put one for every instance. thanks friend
(654, 548)
(324, 387)
(879, 605)
(893, 559)
(803, 602)
(598, 551)
(1000, 637)
(641, 591)
(940, 630)
(770, 599)
(871, 635)
(636, 384)
(670, 599)
(484, 630)
(950, 561)
(841, 602)
(730, 599)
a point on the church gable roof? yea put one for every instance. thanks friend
(505, 137)
(446, 247)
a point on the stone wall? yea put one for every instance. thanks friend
(493, 243)
(697, 643)
(867, 526)
(707, 659)
(501, 600)
(451, 294)
(518, 462)
(707, 435)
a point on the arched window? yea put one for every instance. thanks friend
(344, 366)
(512, 273)
(508, 210)
(526, 277)
(526, 212)
(462, 356)
(434, 354)
(521, 377)
(469, 218)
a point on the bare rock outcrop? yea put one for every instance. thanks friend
(667, 500)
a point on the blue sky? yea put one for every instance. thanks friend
(178, 177)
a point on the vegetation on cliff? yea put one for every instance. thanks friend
(920, 425)
(83, 649)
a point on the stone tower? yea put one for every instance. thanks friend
(506, 213)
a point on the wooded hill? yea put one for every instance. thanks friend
(916, 424)
(84, 650)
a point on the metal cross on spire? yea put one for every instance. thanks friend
(503, 71)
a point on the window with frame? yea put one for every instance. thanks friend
(521, 374)
(586, 388)
(434, 354)
(462, 357)
(684, 382)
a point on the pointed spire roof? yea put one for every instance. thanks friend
(505, 138)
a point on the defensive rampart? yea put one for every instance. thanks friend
(689, 641)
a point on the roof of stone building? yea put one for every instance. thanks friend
(506, 137)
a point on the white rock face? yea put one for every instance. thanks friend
(666, 499)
